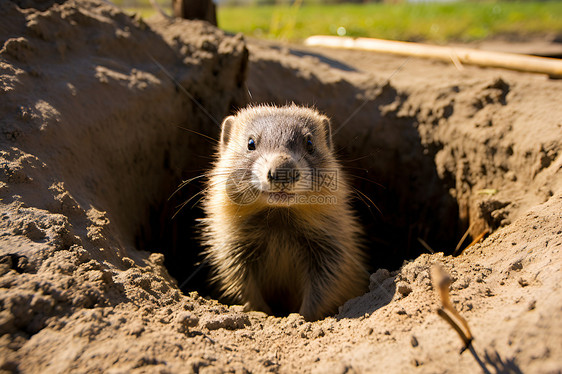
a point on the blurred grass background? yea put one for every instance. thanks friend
(439, 22)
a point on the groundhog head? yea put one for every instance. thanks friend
(278, 156)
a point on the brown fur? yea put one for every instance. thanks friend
(281, 257)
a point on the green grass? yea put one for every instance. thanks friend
(463, 21)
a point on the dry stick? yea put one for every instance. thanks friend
(478, 238)
(462, 239)
(426, 246)
(512, 61)
(159, 9)
(442, 281)
(455, 326)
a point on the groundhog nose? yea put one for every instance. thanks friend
(283, 170)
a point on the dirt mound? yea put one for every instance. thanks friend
(94, 107)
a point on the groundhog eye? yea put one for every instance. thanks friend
(251, 144)
(309, 145)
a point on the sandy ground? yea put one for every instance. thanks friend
(94, 108)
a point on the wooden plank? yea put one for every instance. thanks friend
(469, 56)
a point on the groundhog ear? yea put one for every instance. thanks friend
(226, 131)
(328, 131)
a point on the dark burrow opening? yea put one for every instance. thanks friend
(400, 200)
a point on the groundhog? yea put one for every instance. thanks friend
(280, 233)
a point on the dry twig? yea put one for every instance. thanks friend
(441, 282)
(478, 238)
(459, 56)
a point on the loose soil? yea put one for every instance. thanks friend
(102, 117)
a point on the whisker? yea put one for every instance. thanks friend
(339, 150)
(198, 201)
(203, 191)
(359, 158)
(181, 206)
(183, 89)
(201, 134)
(360, 198)
(215, 141)
(368, 180)
(357, 168)
(369, 199)
(367, 98)
(185, 183)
